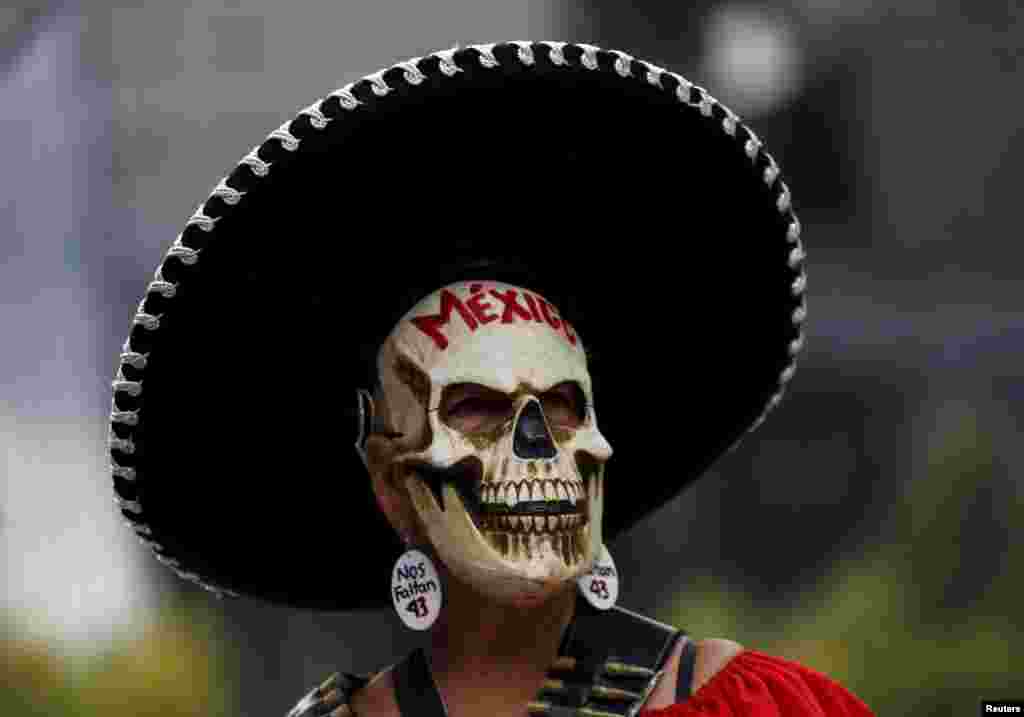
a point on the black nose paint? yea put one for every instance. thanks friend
(531, 438)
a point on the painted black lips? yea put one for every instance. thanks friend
(465, 475)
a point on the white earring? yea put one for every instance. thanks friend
(416, 589)
(600, 586)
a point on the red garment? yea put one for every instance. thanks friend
(754, 684)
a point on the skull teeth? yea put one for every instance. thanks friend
(512, 493)
(534, 524)
(520, 546)
(517, 536)
(556, 523)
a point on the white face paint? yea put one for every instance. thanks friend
(518, 471)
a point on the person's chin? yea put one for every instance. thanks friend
(538, 593)
(529, 600)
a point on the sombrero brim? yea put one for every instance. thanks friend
(635, 202)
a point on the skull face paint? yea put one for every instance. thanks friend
(501, 451)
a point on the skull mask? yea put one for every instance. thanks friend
(510, 494)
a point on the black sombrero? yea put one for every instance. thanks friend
(630, 198)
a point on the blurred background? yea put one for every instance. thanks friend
(871, 529)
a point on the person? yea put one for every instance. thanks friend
(495, 239)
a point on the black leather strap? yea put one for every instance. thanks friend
(415, 691)
(594, 639)
(687, 664)
(619, 635)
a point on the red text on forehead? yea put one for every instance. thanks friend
(481, 308)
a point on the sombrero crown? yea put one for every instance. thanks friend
(629, 197)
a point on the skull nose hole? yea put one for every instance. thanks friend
(531, 437)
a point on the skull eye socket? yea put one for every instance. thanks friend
(472, 408)
(564, 405)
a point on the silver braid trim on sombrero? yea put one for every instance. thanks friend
(319, 116)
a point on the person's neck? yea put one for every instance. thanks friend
(492, 656)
